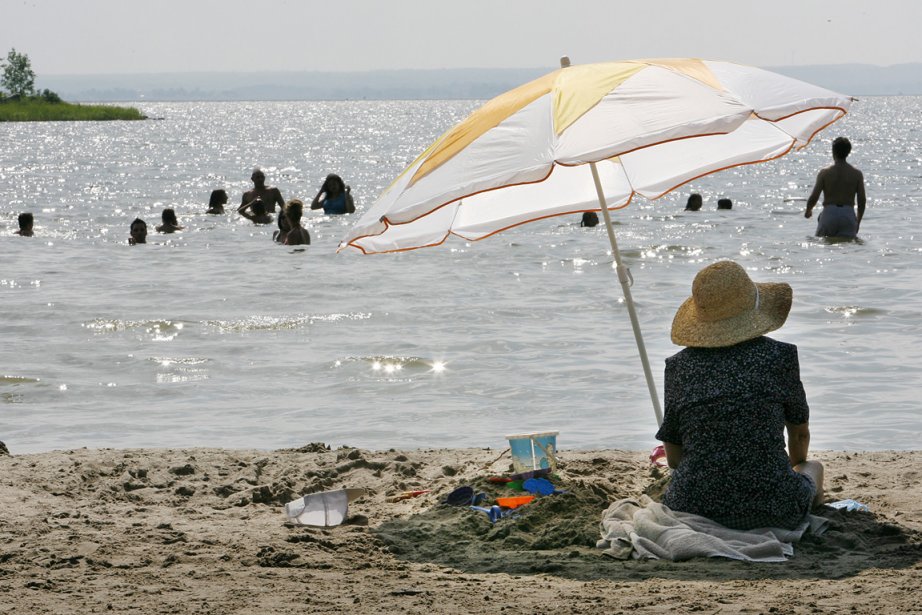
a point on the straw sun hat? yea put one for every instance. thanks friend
(727, 308)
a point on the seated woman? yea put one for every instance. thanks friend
(729, 397)
(297, 235)
(217, 201)
(170, 223)
(334, 197)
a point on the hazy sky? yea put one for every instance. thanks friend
(127, 36)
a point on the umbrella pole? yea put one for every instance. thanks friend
(624, 276)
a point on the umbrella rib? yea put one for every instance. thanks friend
(555, 215)
(640, 147)
(784, 117)
(718, 170)
(387, 224)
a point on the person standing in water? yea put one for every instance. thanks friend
(268, 195)
(334, 196)
(841, 186)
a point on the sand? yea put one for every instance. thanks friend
(202, 531)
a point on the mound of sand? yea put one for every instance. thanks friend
(202, 531)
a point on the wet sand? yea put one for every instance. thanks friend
(202, 531)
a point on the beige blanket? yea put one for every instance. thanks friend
(647, 529)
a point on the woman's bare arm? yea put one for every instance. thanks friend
(798, 442)
(674, 454)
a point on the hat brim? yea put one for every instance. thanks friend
(774, 305)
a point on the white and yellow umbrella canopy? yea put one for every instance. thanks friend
(650, 125)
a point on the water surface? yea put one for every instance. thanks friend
(217, 337)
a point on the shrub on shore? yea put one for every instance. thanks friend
(25, 104)
(44, 108)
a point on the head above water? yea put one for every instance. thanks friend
(258, 176)
(218, 197)
(25, 221)
(590, 219)
(694, 202)
(258, 207)
(138, 230)
(293, 212)
(841, 148)
(334, 184)
(169, 216)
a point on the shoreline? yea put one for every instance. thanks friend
(201, 530)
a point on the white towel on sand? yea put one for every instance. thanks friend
(647, 529)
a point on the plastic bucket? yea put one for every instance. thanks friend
(533, 451)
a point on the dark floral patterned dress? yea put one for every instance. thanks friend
(727, 408)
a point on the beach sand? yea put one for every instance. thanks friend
(202, 531)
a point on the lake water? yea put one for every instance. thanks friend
(216, 336)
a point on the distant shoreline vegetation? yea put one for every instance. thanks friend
(21, 102)
(38, 109)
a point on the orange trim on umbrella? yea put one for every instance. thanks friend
(784, 117)
(386, 226)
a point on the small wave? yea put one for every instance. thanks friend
(11, 397)
(17, 380)
(18, 284)
(168, 361)
(180, 369)
(172, 378)
(160, 327)
(392, 364)
(280, 323)
(852, 311)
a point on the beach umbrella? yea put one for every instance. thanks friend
(589, 138)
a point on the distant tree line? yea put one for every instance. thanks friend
(18, 79)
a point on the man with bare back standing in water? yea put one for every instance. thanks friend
(269, 196)
(841, 185)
